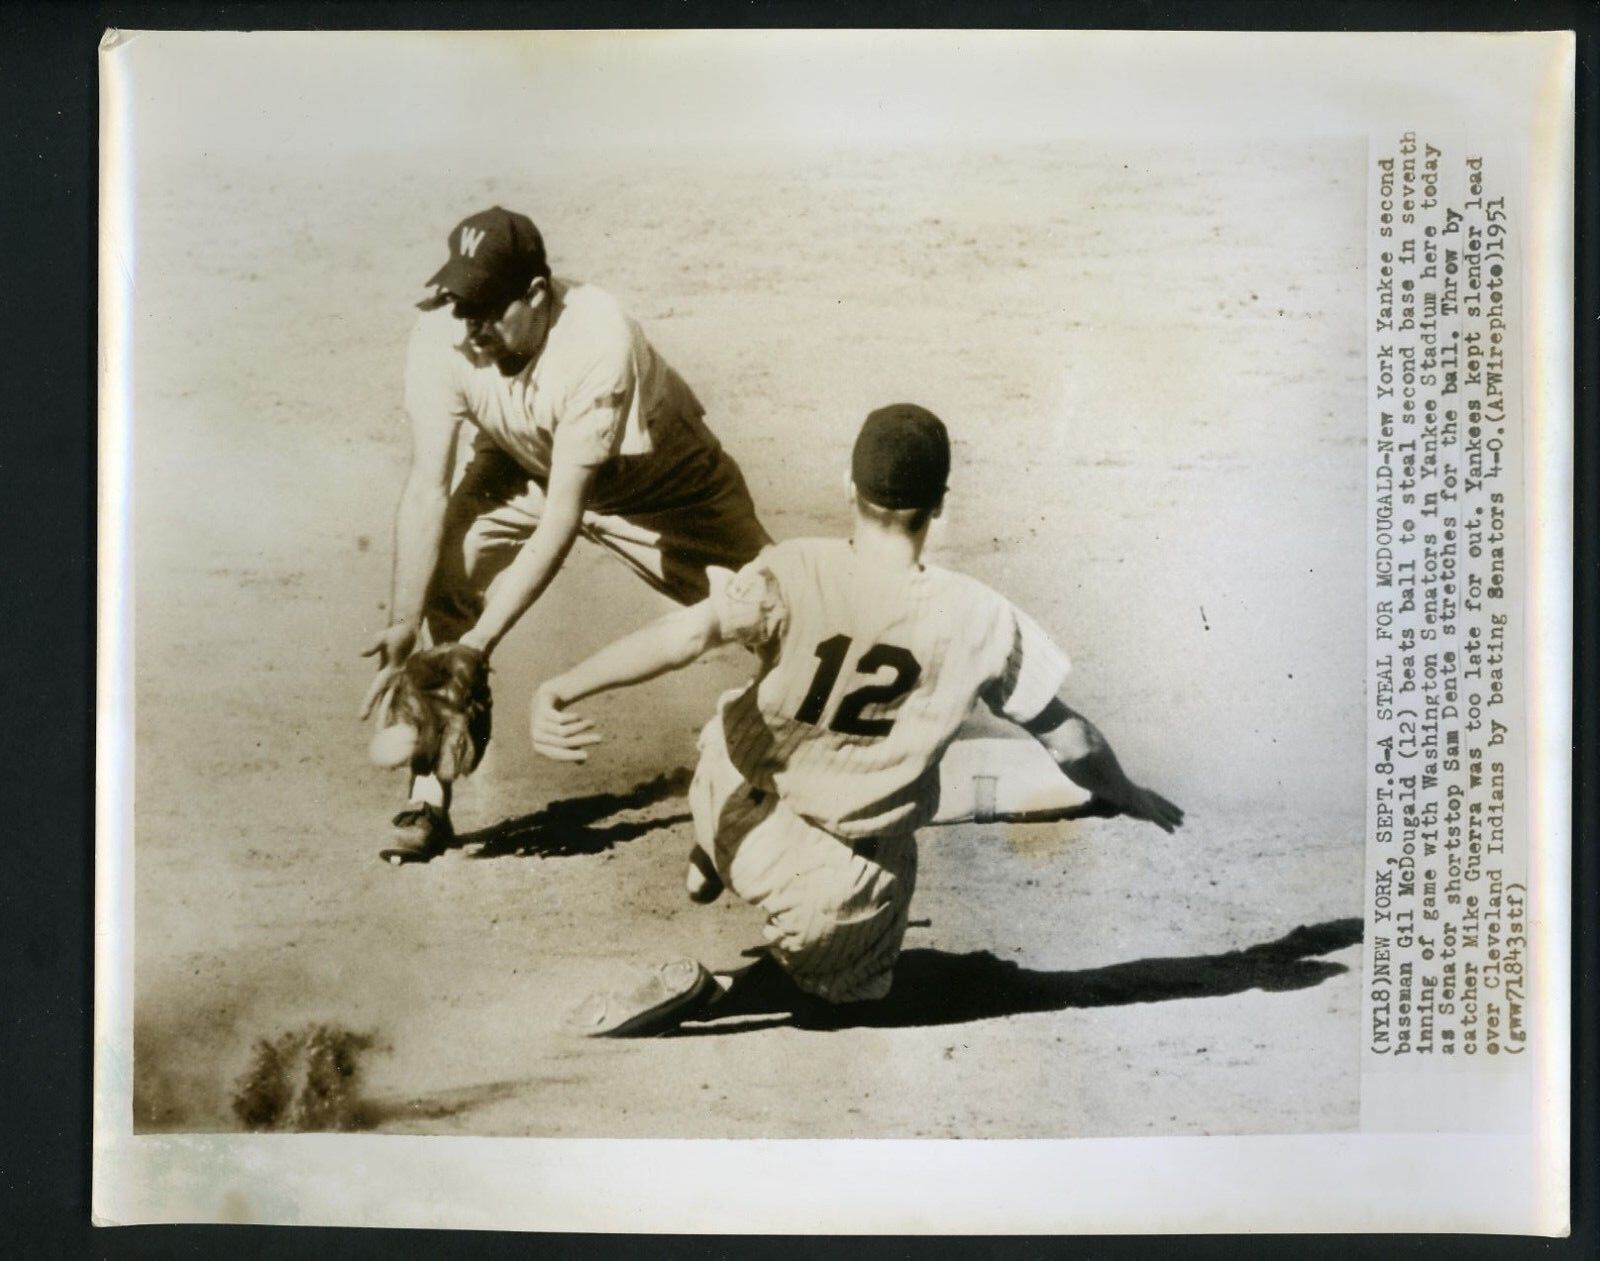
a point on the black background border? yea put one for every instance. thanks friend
(48, 133)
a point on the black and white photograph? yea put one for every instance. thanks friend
(732, 586)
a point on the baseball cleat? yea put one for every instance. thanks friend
(702, 881)
(663, 998)
(421, 832)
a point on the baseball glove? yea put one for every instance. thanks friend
(436, 714)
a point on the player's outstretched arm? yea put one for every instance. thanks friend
(526, 578)
(1088, 760)
(418, 529)
(668, 643)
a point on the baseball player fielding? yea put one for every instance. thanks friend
(577, 427)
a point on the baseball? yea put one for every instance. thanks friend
(393, 746)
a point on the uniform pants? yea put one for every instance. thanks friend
(496, 507)
(836, 910)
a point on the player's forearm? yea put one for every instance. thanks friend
(525, 579)
(418, 527)
(668, 643)
(1087, 758)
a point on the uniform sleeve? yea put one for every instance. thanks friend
(598, 419)
(1032, 671)
(432, 391)
(749, 604)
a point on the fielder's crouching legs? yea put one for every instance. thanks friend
(836, 912)
(493, 511)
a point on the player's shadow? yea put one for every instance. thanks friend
(936, 987)
(578, 825)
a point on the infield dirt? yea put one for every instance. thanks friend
(1151, 360)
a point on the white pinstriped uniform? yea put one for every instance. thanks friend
(814, 777)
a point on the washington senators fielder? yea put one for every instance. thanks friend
(814, 778)
(578, 427)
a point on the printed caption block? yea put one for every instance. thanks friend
(1446, 926)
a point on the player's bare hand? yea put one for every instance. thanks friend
(391, 646)
(557, 732)
(1152, 807)
(1097, 807)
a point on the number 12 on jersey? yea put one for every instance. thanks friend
(847, 719)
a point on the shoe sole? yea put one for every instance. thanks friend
(646, 1021)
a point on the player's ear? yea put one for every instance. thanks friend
(538, 292)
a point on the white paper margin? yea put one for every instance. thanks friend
(1323, 1183)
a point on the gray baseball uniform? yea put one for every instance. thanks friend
(667, 499)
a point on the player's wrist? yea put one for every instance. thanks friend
(556, 693)
(411, 622)
(478, 640)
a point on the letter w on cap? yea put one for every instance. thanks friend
(471, 238)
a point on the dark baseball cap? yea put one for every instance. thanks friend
(901, 457)
(494, 256)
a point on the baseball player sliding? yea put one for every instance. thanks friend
(814, 778)
(578, 427)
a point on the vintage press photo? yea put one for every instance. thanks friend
(949, 475)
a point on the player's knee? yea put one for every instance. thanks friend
(816, 940)
(845, 981)
(486, 549)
